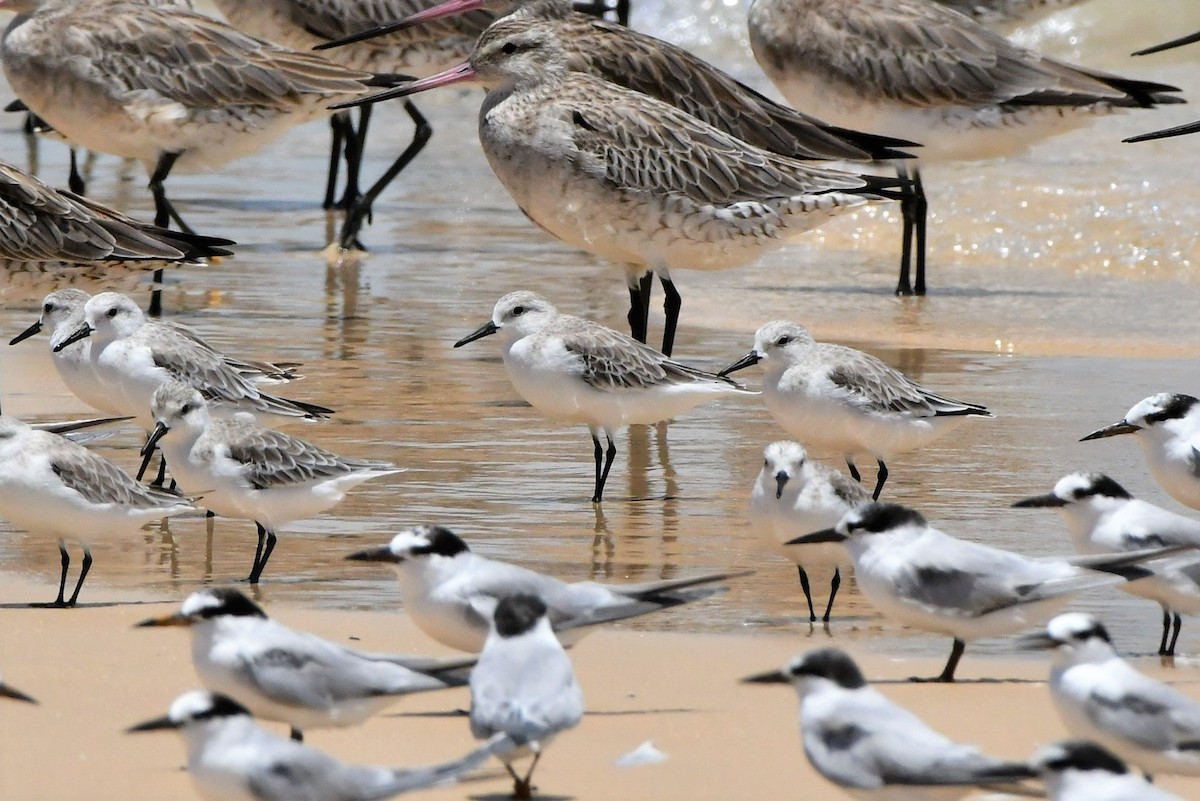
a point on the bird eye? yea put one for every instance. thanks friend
(509, 48)
(518, 311)
(111, 313)
(49, 307)
(783, 340)
(185, 408)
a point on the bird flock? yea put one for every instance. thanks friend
(644, 155)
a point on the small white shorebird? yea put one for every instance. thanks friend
(51, 485)
(451, 593)
(840, 398)
(795, 495)
(112, 76)
(1101, 697)
(873, 748)
(246, 471)
(1079, 770)
(1104, 518)
(132, 356)
(523, 685)
(1167, 426)
(291, 676)
(232, 758)
(573, 369)
(62, 316)
(919, 70)
(51, 238)
(8, 691)
(923, 578)
(629, 178)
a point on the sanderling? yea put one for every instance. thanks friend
(232, 758)
(1167, 426)
(451, 593)
(920, 577)
(573, 369)
(872, 747)
(1104, 518)
(246, 471)
(129, 90)
(1080, 770)
(795, 495)
(286, 675)
(51, 485)
(840, 398)
(631, 179)
(922, 71)
(523, 685)
(1101, 697)
(132, 356)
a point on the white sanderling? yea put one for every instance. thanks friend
(1101, 697)
(291, 676)
(922, 71)
(573, 369)
(795, 495)
(109, 76)
(8, 691)
(132, 356)
(246, 471)
(874, 748)
(1104, 518)
(1080, 770)
(923, 578)
(632, 179)
(523, 685)
(52, 238)
(1167, 426)
(841, 398)
(232, 758)
(62, 316)
(51, 485)
(451, 593)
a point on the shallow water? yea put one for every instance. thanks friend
(1064, 288)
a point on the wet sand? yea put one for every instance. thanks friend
(95, 675)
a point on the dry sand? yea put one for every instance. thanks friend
(95, 675)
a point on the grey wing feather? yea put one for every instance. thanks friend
(641, 144)
(615, 361)
(874, 386)
(100, 481)
(275, 459)
(1155, 716)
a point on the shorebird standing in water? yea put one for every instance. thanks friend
(630, 178)
(916, 69)
(671, 74)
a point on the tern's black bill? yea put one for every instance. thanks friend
(1116, 429)
(824, 535)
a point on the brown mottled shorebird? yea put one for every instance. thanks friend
(629, 178)
(165, 85)
(915, 69)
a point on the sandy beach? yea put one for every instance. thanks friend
(95, 675)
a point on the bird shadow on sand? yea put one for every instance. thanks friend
(922, 680)
(509, 796)
(462, 713)
(78, 605)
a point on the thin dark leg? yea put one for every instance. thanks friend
(609, 455)
(337, 128)
(854, 474)
(922, 213)
(75, 180)
(598, 455)
(161, 478)
(804, 585)
(637, 322)
(362, 208)
(297, 735)
(1166, 626)
(356, 145)
(1175, 636)
(65, 558)
(164, 212)
(524, 788)
(623, 12)
(262, 539)
(908, 213)
(834, 586)
(266, 555)
(956, 652)
(87, 565)
(672, 303)
(880, 479)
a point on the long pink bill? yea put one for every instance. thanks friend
(449, 8)
(463, 72)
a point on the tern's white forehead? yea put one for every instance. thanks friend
(191, 705)
(198, 601)
(1071, 626)
(778, 334)
(406, 542)
(1073, 485)
(517, 306)
(1160, 408)
(784, 455)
